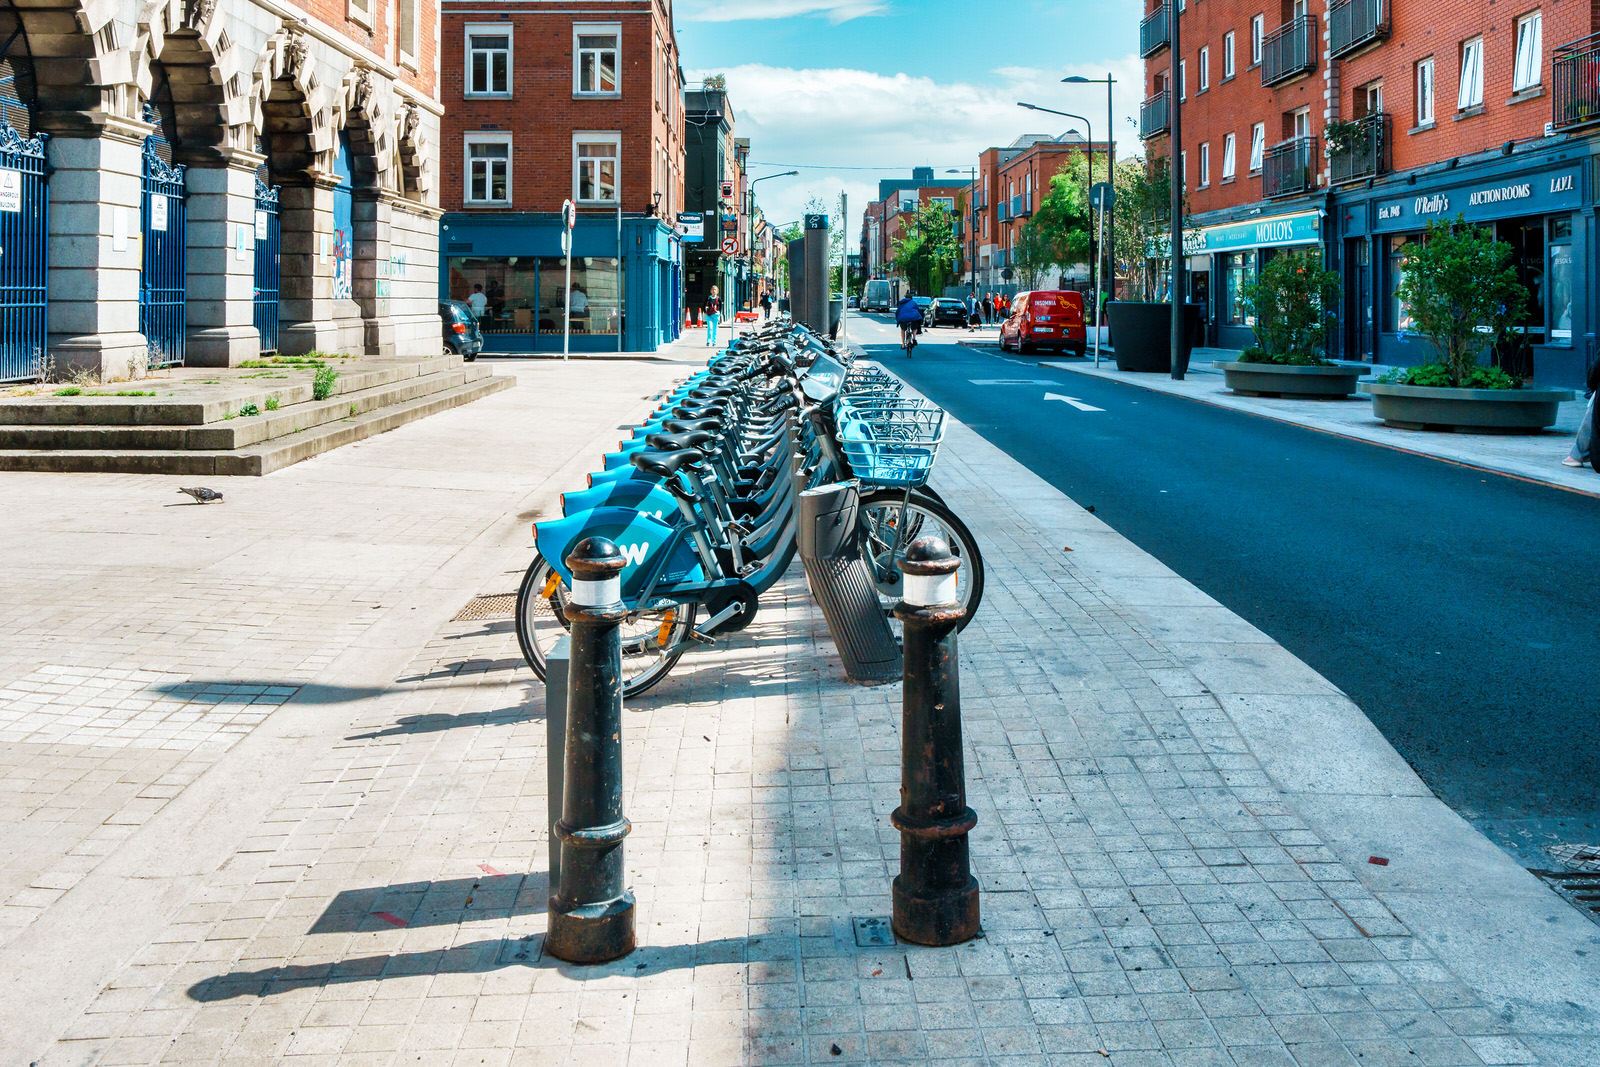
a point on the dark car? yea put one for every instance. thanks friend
(461, 335)
(947, 312)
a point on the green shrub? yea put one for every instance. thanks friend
(322, 384)
(1438, 376)
(1294, 302)
(273, 403)
(71, 390)
(249, 408)
(1460, 287)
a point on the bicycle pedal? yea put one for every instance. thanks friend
(704, 639)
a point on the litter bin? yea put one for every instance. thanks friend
(835, 315)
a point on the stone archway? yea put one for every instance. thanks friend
(364, 138)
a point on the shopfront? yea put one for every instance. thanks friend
(1533, 204)
(1225, 257)
(619, 303)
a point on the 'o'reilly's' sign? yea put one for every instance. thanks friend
(1436, 204)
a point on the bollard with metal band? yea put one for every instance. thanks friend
(591, 913)
(935, 895)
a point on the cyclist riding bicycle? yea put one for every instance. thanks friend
(909, 317)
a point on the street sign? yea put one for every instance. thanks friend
(730, 246)
(816, 222)
(691, 226)
(1102, 196)
(10, 190)
(727, 190)
(1008, 274)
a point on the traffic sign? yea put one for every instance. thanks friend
(1102, 196)
(730, 246)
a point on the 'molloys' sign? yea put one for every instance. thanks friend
(1304, 228)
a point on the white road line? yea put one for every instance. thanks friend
(1074, 401)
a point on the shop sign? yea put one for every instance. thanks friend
(691, 226)
(1519, 196)
(1305, 228)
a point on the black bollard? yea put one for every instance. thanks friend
(935, 895)
(591, 913)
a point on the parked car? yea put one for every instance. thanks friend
(947, 312)
(461, 334)
(1048, 318)
(924, 305)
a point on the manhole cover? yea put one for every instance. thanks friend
(495, 606)
(872, 931)
(1577, 857)
(1582, 888)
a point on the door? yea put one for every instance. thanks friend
(163, 275)
(343, 223)
(1358, 303)
(266, 282)
(24, 229)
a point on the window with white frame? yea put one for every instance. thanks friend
(1205, 164)
(1470, 92)
(1258, 145)
(1205, 68)
(360, 11)
(1183, 79)
(1227, 55)
(596, 55)
(594, 167)
(1258, 30)
(1424, 80)
(406, 17)
(489, 60)
(1530, 42)
(1227, 157)
(488, 164)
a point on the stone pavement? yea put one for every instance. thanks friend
(1175, 816)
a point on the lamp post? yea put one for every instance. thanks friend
(1109, 211)
(972, 226)
(1094, 255)
(750, 209)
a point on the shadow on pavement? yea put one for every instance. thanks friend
(436, 722)
(447, 903)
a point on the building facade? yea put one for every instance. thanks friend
(899, 199)
(717, 189)
(1346, 126)
(196, 182)
(554, 101)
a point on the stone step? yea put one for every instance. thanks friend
(263, 458)
(195, 405)
(240, 431)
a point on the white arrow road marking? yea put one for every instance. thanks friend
(1074, 401)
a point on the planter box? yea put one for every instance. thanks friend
(1143, 334)
(1420, 407)
(1273, 379)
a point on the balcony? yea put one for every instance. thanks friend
(1002, 207)
(1155, 32)
(1154, 116)
(1364, 154)
(1576, 90)
(1000, 257)
(1022, 205)
(1289, 167)
(1353, 24)
(1289, 51)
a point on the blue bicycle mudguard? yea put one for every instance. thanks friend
(647, 498)
(639, 537)
(625, 473)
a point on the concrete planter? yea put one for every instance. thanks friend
(1143, 335)
(1272, 379)
(1420, 407)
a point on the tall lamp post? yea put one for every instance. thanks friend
(1110, 210)
(1094, 255)
(972, 225)
(750, 209)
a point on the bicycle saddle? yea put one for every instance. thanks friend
(676, 442)
(701, 410)
(666, 464)
(691, 425)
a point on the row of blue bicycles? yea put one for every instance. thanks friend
(701, 498)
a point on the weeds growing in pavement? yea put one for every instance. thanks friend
(273, 402)
(322, 383)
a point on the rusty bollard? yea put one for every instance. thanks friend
(591, 912)
(935, 895)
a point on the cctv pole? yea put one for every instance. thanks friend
(1175, 175)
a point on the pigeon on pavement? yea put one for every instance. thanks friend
(201, 494)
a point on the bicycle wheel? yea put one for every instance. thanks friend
(652, 641)
(888, 525)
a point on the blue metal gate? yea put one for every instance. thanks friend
(267, 265)
(163, 278)
(24, 232)
(343, 223)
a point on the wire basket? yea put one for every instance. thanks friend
(888, 441)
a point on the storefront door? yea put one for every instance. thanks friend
(1358, 309)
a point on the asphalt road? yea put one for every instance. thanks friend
(1459, 609)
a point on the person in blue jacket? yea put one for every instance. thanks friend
(909, 317)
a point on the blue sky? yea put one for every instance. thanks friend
(900, 83)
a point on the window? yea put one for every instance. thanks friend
(1239, 270)
(1205, 164)
(488, 60)
(1398, 314)
(1425, 92)
(406, 31)
(1300, 122)
(1369, 100)
(1183, 170)
(1227, 158)
(360, 11)
(527, 294)
(488, 168)
(1258, 30)
(1227, 55)
(1183, 79)
(1470, 93)
(595, 51)
(1205, 68)
(1530, 40)
(1258, 145)
(594, 166)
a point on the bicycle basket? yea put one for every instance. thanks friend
(888, 441)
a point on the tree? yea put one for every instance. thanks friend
(1293, 303)
(1461, 289)
(924, 254)
(1058, 232)
(1143, 215)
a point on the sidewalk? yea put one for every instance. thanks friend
(1536, 457)
(1175, 816)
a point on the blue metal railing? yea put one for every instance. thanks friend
(24, 234)
(268, 237)
(164, 274)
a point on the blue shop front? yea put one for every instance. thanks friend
(1534, 200)
(623, 298)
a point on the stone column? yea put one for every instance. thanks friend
(305, 264)
(371, 282)
(221, 306)
(95, 253)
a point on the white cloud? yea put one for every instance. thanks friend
(836, 11)
(859, 119)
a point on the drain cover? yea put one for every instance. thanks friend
(1577, 857)
(1582, 888)
(872, 931)
(494, 606)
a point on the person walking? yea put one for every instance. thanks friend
(766, 306)
(973, 318)
(1582, 454)
(713, 314)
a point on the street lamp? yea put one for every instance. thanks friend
(1111, 154)
(972, 226)
(750, 194)
(1089, 133)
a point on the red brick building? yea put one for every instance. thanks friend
(547, 101)
(1348, 125)
(1008, 187)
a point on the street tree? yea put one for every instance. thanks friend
(925, 253)
(1460, 287)
(1058, 232)
(1143, 215)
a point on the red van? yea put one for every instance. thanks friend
(1047, 318)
